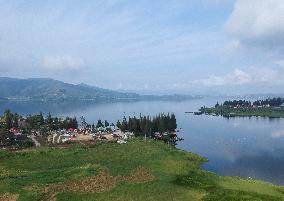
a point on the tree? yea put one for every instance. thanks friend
(130, 124)
(74, 123)
(173, 124)
(124, 125)
(99, 124)
(8, 117)
(6, 139)
(41, 119)
(118, 124)
(83, 122)
(56, 123)
(146, 126)
(161, 125)
(49, 121)
(15, 121)
(106, 123)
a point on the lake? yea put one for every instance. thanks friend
(250, 147)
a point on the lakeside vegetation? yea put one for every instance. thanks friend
(139, 170)
(144, 168)
(18, 131)
(272, 108)
(161, 127)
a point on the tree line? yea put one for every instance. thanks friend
(273, 102)
(36, 122)
(140, 126)
(148, 126)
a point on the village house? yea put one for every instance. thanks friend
(110, 133)
(15, 131)
(22, 122)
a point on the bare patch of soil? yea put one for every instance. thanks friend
(138, 176)
(98, 183)
(8, 197)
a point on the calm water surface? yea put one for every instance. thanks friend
(250, 147)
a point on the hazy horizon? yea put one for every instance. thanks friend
(160, 47)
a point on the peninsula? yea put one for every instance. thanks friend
(272, 108)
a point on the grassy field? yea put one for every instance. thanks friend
(244, 112)
(138, 171)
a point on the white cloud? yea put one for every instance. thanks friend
(62, 62)
(278, 134)
(237, 77)
(217, 2)
(256, 30)
(232, 48)
(280, 63)
(256, 76)
(258, 23)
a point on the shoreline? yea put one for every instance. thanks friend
(228, 112)
(121, 171)
(98, 143)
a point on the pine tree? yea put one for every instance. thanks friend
(124, 125)
(106, 123)
(173, 122)
(161, 124)
(99, 124)
(15, 121)
(83, 122)
(41, 119)
(49, 121)
(118, 124)
(8, 117)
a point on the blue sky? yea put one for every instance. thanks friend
(161, 46)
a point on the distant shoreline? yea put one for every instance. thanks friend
(270, 112)
(102, 99)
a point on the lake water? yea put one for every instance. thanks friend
(250, 147)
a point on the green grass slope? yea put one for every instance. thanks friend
(139, 170)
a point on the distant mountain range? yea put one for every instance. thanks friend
(49, 89)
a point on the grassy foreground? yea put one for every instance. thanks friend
(138, 170)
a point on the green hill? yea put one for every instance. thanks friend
(49, 89)
(139, 170)
(41, 88)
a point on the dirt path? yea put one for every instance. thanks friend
(37, 144)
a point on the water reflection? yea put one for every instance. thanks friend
(278, 134)
(53, 107)
(265, 165)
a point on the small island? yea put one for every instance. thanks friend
(271, 107)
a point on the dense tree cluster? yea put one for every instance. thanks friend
(235, 103)
(55, 123)
(37, 122)
(147, 125)
(273, 102)
(100, 124)
(8, 121)
(163, 125)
